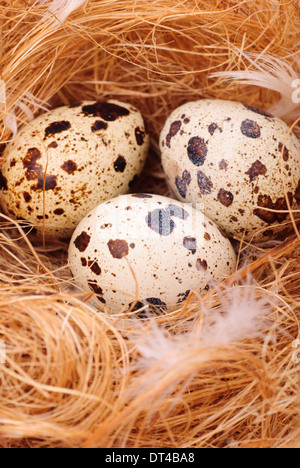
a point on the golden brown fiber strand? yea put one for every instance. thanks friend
(74, 377)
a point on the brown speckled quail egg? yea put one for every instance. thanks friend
(147, 249)
(228, 157)
(67, 161)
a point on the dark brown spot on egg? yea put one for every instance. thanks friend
(201, 264)
(204, 183)
(118, 248)
(47, 183)
(282, 205)
(3, 182)
(106, 110)
(135, 306)
(250, 129)
(183, 296)
(286, 153)
(57, 127)
(190, 243)
(197, 151)
(82, 241)
(256, 170)
(27, 197)
(139, 136)
(225, 197)
(120, 164)
(142, 195)
(155, 301)
(223, 165)
(53, 145)
(132, 245)
(97, 290)
(183, 182)
(259, 111)
(101, 299)
(213, 127)
(83, 261)
(207, 236)
(69, 167)
(95, 287)
(59, 211)
(33, 170)
(99, 125)
(174, 129)
(265, 201)
(94, 267)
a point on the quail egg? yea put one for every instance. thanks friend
(144, 249)
(236, 162)
(68, 160)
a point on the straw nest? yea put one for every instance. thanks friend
(74, 377)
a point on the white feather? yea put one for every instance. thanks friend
(274, 73)
(36, 103)
(165, 356)
(2, 92)
(29, 104)
(11, 123)
(60, 10)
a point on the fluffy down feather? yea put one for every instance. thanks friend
(174, 358)
(61, 9)
(274, 73)
(29, 104)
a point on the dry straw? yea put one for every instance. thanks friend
(219, 372)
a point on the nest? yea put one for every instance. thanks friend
(72, 377)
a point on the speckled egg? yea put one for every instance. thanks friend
(67, 161)
(232, 159)
(147, 249)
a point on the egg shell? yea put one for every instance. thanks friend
(67, 161)
(227, 157)
(144, 247)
